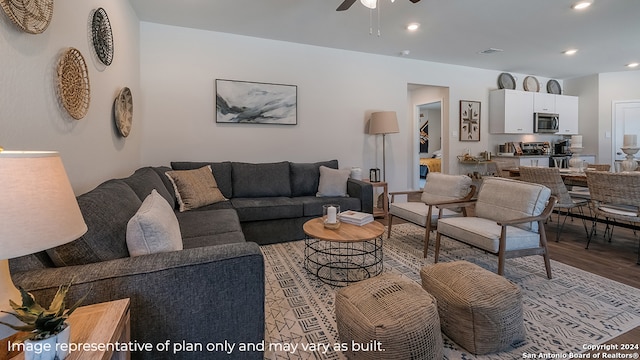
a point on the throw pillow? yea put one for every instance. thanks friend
(333, 182)
(154, 228)
(195, 188)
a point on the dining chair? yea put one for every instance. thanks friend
(551, 178)
(616, 197)
(599, 167)
(439, 189)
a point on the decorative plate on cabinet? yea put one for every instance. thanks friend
(506, 81)
(553, 87)
(123, 109)
(73, 83)
(102, 36)
(32, 16)
(530, 83)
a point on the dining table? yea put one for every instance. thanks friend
(569, 176)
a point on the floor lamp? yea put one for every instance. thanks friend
(39, 211)
(383, 122)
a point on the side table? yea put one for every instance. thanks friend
(101, 323)
(380, 211)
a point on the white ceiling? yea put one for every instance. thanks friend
(533, 34)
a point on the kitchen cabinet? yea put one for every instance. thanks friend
(544, 103)
(510, 112)
(567, 110)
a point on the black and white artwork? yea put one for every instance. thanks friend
(255, 103)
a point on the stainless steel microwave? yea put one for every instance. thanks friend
(546, 123)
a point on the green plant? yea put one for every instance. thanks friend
(41, 323)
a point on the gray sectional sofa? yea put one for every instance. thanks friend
(213, 289)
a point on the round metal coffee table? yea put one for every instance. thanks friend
(345, 255)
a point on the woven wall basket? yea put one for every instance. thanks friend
(102, 36)
(123, 109)
(73, 83)
(32, 16)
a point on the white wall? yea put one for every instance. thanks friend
(337, 90)
(593, 132)
(31, 117)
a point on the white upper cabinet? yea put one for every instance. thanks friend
(544, 103)
(510, 112)
(567, 110)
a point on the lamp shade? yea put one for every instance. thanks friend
(383, 122)
(39, 209)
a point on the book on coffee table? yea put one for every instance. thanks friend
(355, 217)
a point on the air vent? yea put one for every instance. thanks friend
(490, 51)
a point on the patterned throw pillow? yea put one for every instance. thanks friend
(195, 188)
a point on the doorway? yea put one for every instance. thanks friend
(626, 120)
(429, 135)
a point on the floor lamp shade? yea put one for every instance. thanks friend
(383, 122)
(39, 211)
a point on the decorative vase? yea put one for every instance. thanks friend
(629, 164)
(49, 348)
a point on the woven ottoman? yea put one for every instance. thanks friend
(388, 317)
(479, 310)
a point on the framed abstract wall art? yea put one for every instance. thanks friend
(246, 102)
(469, 120)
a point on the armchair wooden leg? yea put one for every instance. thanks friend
(426, 241)
(436, 254)
(390, 221)
(543, 244)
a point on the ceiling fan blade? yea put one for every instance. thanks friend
(346, 4)
(414, 1)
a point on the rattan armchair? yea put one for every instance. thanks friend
(550, 177)
(616, 197)
(439, 189)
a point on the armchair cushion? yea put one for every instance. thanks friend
(416, 212)
(442, 187)
(485, 234)
(503, 199)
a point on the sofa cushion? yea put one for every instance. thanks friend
(503, 199)
(210, 227)
(221, 171)
(305, 177)
(146, 179)
(261, 180)
(161, 170)
(195, 188)
(106, 211)
(333, 182)
(154, 228)
(267, 208)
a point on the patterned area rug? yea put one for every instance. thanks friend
(573, 309)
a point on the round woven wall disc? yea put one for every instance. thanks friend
(123, 109)
(102, 36)
(73, 83)
(32, 16)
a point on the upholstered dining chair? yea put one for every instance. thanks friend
(439, 189)
(550, 177)
(614, 196)
(508, 221)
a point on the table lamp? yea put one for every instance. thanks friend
(383, 122)
(39, 211)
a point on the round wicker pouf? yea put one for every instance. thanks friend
(388, 317)
(479, 310)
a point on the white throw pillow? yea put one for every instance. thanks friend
(333, 182)
(154, 228)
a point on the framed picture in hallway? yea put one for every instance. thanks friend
(246, 102)
(469, 120)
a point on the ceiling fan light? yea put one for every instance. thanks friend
(371, 4)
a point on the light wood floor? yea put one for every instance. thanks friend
(615, 260)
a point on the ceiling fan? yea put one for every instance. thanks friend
(346, 4)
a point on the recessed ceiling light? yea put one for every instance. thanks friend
(581, 5)
(570, 51)
(413, 26)
(632, 65)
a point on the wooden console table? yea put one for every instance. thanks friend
(102, 323)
